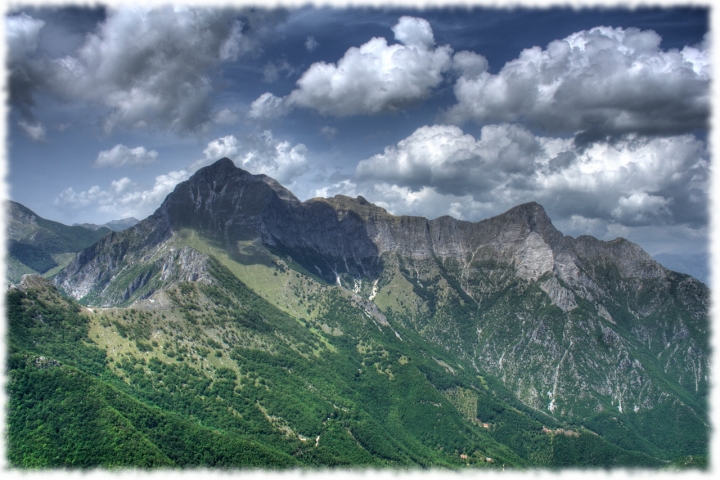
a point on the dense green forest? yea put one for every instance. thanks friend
(219, 377)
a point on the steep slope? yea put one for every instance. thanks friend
(694, 264)
(582, 332)
(37, 245)
(211, 374)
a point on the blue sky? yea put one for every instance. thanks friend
(600, 115)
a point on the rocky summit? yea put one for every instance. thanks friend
(330, 332)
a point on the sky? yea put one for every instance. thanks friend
(600, 115)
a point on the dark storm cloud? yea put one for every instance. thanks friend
(26, 69)
(147, 67)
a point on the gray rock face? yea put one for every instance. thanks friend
(342, 235)
(533, 258)
(560, 296)
(483, 290)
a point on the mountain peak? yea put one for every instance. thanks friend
(529, 210)
(531, 214)
(224, 165)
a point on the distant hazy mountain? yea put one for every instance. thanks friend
(695, 264)
(37, 245)
(114, 225)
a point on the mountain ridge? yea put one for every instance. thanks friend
(415, 235)
(38, 245)
(583, 330)
(114, 225)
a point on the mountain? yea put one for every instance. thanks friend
(114, 225)
(37, 245)
(695, 264)
(338, 334)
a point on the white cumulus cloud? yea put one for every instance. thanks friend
(259, 153)
(445, 158)
(267, 106)
(119, 186)
(120, 156)
(227, 146)
(603, 81)
(124, 198)
(93, 196)
(369, 79)
(634, 181)
(225, 117)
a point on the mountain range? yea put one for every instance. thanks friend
(114, 225)
(332, 333)
(41, 246)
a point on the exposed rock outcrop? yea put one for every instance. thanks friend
(342, 235)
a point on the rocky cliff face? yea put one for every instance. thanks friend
(575, 327)
(331, 237)
(344, 237)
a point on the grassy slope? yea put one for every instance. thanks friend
(228, 360)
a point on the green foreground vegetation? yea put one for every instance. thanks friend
(211, 374)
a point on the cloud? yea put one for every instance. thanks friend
(94, 196)
(144, 67)
(328, 132)
(225, 117)
(36, 130)
(311, 44)
(119, 186)
(277, 159)
(120, 156)
(602, 81)
(22, 33)
(272, 71)
(469, 64)
(369, 79)
(641, 208)
(414, 32)
(149, 200)
(267, 107)
(228, 146)
(124, 198)
(150, 67)
(445, 158)
(636, 181)
(424, 202)
(261, 153)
